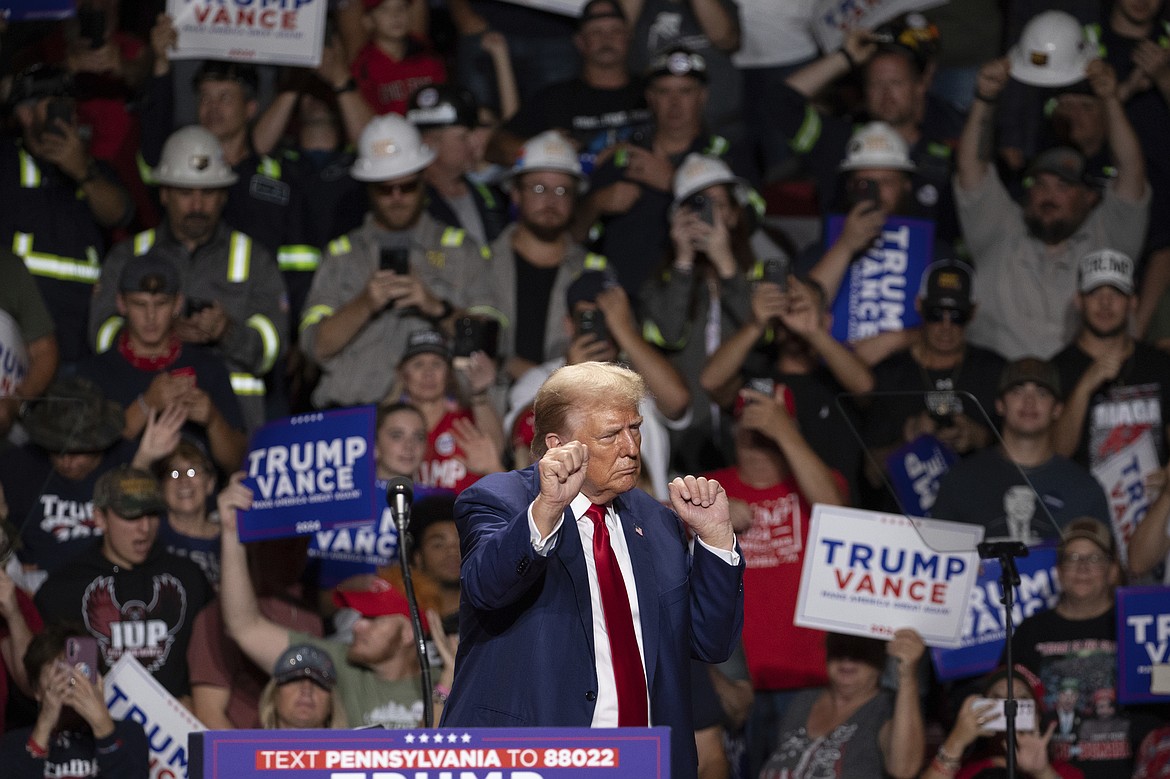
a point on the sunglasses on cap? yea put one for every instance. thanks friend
(936, 314)
(401, 187)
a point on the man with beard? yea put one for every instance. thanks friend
(1120, 387)
(536, 257)
(235, 298)
(377, 671)
(401, 271)
(1028, 257)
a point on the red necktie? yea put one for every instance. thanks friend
(619, 624)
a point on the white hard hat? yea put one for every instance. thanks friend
(193, 158)
(1052, 51)
(876, 145)
(699, 171)
(390, 148)
(547, 151)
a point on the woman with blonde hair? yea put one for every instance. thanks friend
(302, 692)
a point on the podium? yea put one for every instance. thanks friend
(444, 753)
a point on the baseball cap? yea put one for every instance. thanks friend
(149, 273)
(39, 81)
(947, 284)
(1091, 530)
(1064, 162)
(678, 61)
(305, 661)
(380, 600)
(442, 105)
(128, 492)
(1030, 369)
(600, 9)
(912, 36)
(425, 342)
(1106, 267)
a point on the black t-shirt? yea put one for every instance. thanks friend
(147, 610)
(977, 374)
(1136, 401)
(122, 383)
(1077, 662)
(585, 112)
(54, 514)
(533, 289)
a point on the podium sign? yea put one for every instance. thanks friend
(467, 753)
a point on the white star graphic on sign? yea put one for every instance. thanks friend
(466, 738)
(409, 738)
(452, 738)
(424, 738)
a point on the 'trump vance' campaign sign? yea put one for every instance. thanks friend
(310, 472)
(276, 32)
(878, 291)
(1143, 645)
(444, 753)
(983, 626)
(868, 574)
(133, 694)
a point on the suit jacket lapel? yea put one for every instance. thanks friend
(645, 577)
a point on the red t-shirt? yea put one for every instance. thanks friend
(780, 655)
(386, 84)
(443, 465)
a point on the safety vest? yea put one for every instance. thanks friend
(45, 264)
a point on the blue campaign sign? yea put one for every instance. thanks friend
(34, 10)
(878, 291)
(983, 627)
(1143, 642)
(466, 753)
(309, 473)
(915, 470)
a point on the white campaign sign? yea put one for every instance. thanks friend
(1123, 477)
(274, 32)
(563, 7)
(834, 18)
(868, 574)
(133, 694)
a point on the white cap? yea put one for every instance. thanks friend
(390, 148)
(548, 151)
(193, 158)
(1106, 267)
(877, 145)
(1052, 51)
(699, 171)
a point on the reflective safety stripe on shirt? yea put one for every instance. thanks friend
(452, 236)
(142, 242)
(54, 266)
(298, 257)
(30, 174)
(340, 245)
(314, 315)
(247, 384)
(269, 167)
(107, 333)
(808, 133)
(595, 261)
(239, 257)
(269, 337)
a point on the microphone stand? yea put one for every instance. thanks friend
(1009, 578)
(420, 641)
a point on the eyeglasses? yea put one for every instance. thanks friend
(936, 314)
(187, 473)
(402, 187)
(541, 189)
(1094, 560)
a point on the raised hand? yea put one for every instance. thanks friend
(702, 505)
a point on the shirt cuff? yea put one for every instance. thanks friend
(542, 546)
(729, 556)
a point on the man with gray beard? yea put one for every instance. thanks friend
(1027, 257)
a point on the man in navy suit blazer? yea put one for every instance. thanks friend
(526, 641)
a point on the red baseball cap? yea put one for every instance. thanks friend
(380, 600)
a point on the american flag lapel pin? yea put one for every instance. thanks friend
(638, 529)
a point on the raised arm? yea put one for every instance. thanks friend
(1130, 183)
(260, 638)
(719, 24)
(1150, 541)
(858, 47)
(977, 143)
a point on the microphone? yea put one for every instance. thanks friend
(399, 494)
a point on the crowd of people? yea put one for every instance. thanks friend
(467, 201)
